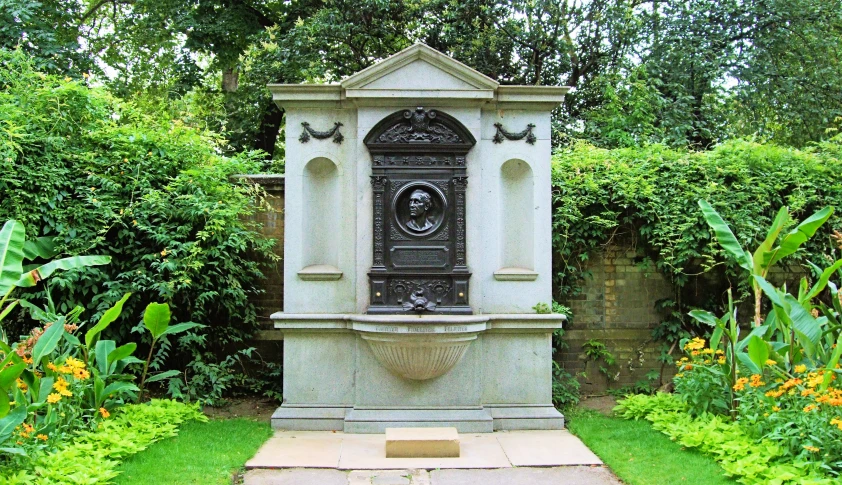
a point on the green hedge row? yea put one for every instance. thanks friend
(647, 197)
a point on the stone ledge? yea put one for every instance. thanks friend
(515, 274)
(320, 272)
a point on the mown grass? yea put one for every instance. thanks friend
(640, 455)
(202, 453)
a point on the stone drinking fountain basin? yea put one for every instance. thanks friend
(418, 347)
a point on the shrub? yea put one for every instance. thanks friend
(98, 176)
(647, 197)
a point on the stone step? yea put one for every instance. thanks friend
(422, 443)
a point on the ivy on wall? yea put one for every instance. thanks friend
(646, 197)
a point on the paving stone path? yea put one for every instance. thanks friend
(566, 475)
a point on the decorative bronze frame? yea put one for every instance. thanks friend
(419, 271)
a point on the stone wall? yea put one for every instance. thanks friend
(616, 308)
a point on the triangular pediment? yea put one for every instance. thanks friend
(419, 68)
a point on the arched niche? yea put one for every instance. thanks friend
(321, 220)
(517, 222)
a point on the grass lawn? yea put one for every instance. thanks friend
(639, 455)
(202, 453)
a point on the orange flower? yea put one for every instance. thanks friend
(42, 437)
(104, 412)
(810, 407)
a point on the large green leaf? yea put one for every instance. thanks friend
(831, 363)
(73, 262)
(798, 236)
(12, 421)
(9, 374)
(163, 375)
(109, 316)
(12, 304)
(705, 317)
(758, 351)
(12, 240)
(48, 340)
(822, 282)
(762, 253)
(156, 318)
(181, 327)
(42, 247)
(121, 352)
(4, 404)
(102, 350)
(119, 386)
(770, 291)
(725, 237)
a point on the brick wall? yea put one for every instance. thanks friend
(271, 220)
(617, 309)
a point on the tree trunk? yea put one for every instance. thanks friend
(230, 80)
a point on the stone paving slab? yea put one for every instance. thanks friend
(296, 476)
(567, 475)
(545, 448)
(299, 449)
(325, 449)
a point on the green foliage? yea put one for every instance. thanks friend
(648, 195)
(597, 352)
(565, 388)
(96, 175)
(93, 456)
(750, 460)
(639, 406)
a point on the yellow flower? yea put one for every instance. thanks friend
(104, 412)
(42, 437)
(721, 360)
(811, 448)
(74, 363)
(60, 384)
(775, 408)
(27, 360)
(164, 252)
(836, 422)
(81, 374)
(801, 368)
(810, 407)
(740, 384)
(770, 362)
(53, 398)
(52, 367)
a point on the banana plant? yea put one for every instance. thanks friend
(772, 250)
(15, 249)
(156, 319)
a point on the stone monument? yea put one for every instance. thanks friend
(417, 244)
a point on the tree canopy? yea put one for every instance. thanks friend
(685, 73)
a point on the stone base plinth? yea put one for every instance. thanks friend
(422, 443)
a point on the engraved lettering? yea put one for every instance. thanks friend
(386, 329)
(421, 330)
(456, 328)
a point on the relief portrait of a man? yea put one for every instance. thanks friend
(419, 204)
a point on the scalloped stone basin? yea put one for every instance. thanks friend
(419, 357)
(419, 348)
